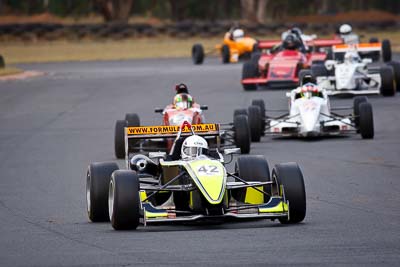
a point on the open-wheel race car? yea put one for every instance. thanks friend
(193, 185)
(161, 137)
(182, 109)
(310, 115)
(235, 46)
(355, 70)
(279, 63)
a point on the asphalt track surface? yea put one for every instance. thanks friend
(53, 126)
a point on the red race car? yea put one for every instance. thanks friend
(279, 63)
(182, 109)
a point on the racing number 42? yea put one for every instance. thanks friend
(208, 169)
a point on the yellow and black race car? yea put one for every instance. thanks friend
(196, 186)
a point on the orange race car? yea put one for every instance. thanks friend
(235, 46)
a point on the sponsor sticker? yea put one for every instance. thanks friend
(149, 130)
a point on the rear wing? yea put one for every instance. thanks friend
(163, 131)
(362, 47)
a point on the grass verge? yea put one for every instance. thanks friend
(9, 71)
(159, 47)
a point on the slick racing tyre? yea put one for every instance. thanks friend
(133, 120)
(97, 180)
(290, 176)
(255, 120)
(225, 54)
(386, 51)
(366, 121)
(123, 200)
(249, 70)
(356, 108)
(388, 86)
(240, 111)
(119, 139)
(242, 133)
(197, 54)
(374, 55)
(252, 168)
(396, 69)
(261, 104)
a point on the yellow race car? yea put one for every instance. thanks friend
(235, 46)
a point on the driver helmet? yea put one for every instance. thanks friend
(345, 29)
(297, 31)
(237, 34)
(291, 42)
(193, 146)
(181, 88)
(351, 57)
(183, 101)
(309, 90)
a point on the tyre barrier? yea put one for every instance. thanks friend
(53, 31)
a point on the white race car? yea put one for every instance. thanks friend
(310, 115)
(352, 74)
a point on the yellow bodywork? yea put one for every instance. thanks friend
(237, 47)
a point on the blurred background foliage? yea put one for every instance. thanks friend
(258, 11)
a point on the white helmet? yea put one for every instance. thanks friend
(238, 33)
(193, 146)
(345, 29)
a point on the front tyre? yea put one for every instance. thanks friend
(242, 133)
(249, 70)
(290, 177)
(356, 108)
(197, 54)
(366, 121)
(97, 179)
(225, 54)
(123, 200)
(261, 104)
(255, 121)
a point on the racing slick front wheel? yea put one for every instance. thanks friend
(356, 108)
(123, 200)
(261, 104)
(252, 168)
(386, 50)
(366, 121)
(388, 86)
(225, 54)
(197, 54)
(119, 139)
(396, 69)
(242, 133)
(291, 182)
(97, 179)
(250, 70)
(254, 119)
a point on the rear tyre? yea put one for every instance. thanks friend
(249, 70)
(366, 121)
(133, 120)
(226, 54)
(252, 168)
(97, 179)
(123, 200)
(261, 104)
(197, 54)
(119, 139)
(255, 121)
(356, 108)
(386, 51)
(290, 176)
(242, 133)
(388, 87)
(396, 69)
(375, 55)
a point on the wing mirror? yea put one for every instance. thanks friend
(204, 107)
(157, 155)
(230, 151)
(158, 110)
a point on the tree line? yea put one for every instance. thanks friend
(256, 11)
